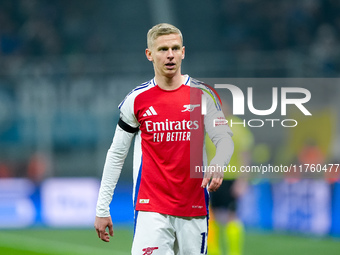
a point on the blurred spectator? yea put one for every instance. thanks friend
(5, 171)
(275, 25)
(38, 167)
(10, 42)
(38, 27)
(41, 38)
(325, 49)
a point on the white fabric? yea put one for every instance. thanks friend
(113, 165)
(220, 135)
(160, 234)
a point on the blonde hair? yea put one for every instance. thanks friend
(161, 29)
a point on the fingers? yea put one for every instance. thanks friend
(100, 225)
(206, 179)
(98, 233)
(103, 235)
(205, 182)
(110, 229)
(215, 184)
(216, 180)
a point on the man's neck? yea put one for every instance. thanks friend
(169, 83)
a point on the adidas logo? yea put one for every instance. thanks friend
(150, 111)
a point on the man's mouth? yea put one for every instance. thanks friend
(170, 65)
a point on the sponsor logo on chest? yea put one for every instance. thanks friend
(170, 130)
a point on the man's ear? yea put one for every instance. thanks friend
(183, 52)
(148, 54)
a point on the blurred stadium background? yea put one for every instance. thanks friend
(66, 65)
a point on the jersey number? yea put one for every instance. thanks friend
(203, 246)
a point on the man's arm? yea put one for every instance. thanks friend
(113, 165)
(224, 151)
(220, 135)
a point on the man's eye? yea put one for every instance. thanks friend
(175, 48)
(163, 49)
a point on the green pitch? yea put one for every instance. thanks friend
(62, 241)
(85, 241)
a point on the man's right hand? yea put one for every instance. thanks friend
(100, 224)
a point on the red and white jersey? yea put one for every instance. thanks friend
(169, 143)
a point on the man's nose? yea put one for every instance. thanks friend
(170, 53)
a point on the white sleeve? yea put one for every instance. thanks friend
(113, 165)
(219, 134)
(127, 110)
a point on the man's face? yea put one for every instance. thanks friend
(166, 54)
